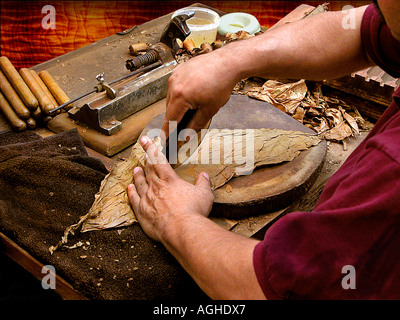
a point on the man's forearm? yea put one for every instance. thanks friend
(220, 261)
(315, 48)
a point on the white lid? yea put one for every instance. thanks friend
(237, 21)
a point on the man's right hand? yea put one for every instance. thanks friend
(203, 83)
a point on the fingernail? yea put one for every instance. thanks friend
(206, 176)
(144, 140)
(136, 170)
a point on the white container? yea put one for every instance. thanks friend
(237, 21)
(203, 25)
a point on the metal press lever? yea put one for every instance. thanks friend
(144, 69)
(104, 86)
(100, 87)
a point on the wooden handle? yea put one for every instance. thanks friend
(54, 88)
(44, 88)
(13, 98)
(138, 47)
(18, 84)
(16, 123)
(37, 114)
(31, 123)
(44, 102)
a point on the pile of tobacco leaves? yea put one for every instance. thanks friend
(333, 119)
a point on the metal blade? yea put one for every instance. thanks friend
(173, 145)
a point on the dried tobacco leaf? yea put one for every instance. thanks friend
(313, 112)
(305, 103)
(334, 116)
(111, 206)
(223, 154)
(350, 120)
(299, 114)
(342, 125)
(320, 125)
(285, 96)
(239, 35)
(339, 132)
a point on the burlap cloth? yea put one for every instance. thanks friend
(47, 184)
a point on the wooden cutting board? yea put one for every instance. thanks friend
(268, 188)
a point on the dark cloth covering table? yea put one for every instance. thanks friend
(46, 185)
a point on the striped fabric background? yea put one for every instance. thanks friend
(26, 43)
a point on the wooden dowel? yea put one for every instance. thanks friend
(19, 85)
(16, 123)
(58, 93)
(13, 98)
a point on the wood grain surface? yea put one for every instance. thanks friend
(78, 23)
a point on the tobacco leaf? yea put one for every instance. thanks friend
(111, 206)
(299, 114)
(339, 132)
(350, 120)
(215, 155)
(223, 154)
(285, 96)
(304, 101)
(319, 124)
(334, 116)
(248, 149)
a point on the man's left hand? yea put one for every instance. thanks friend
(159, 196)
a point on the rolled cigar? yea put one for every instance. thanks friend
(31, 123)
(16, 123)
(44, 102)
(138, 47)
(13, 98)
(54, 88)
(37, 114)
(19, 85)
(47, 119)
(44, 88)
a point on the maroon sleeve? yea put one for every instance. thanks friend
(379, 43)
(356, 221)
(303, 254)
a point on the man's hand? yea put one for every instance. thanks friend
(159, 196)
(203, 83)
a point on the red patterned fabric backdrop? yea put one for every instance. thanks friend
(26, 42)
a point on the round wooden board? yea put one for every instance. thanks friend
(268, 188)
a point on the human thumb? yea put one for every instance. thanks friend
(203, 180)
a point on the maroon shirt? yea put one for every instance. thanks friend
(356, 221)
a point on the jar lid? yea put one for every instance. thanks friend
(236, 21)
